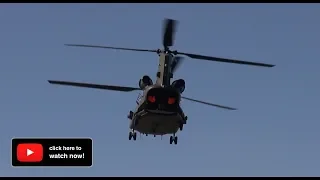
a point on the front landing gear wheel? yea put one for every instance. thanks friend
(130, 136)
(133, 135)
(173, 139)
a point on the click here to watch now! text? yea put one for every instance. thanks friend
(52, 152)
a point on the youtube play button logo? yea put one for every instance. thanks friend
(29, 152)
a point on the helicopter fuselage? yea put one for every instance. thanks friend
(156, 122)
(158, 111)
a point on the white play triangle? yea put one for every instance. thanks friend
(29, 152)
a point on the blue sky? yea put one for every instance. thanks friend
(275, 132)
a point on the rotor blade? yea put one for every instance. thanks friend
(176, 63)
(195, 56)
(210, 104)
(110, 47)
(95, 86)
(168, 32)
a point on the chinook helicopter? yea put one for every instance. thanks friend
(158, 110)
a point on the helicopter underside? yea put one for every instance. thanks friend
(157, 123)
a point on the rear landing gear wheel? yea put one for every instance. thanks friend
(181, 127)
(130, 115)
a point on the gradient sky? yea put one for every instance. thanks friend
(275, 132)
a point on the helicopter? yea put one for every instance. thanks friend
(158, 110)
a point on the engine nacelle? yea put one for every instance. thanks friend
(179, 84)
(145, 81)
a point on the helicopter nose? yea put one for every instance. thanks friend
(163, 95)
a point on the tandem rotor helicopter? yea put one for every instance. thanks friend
(158, 110)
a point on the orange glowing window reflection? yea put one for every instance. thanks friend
(152, 99)
(171, 100)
